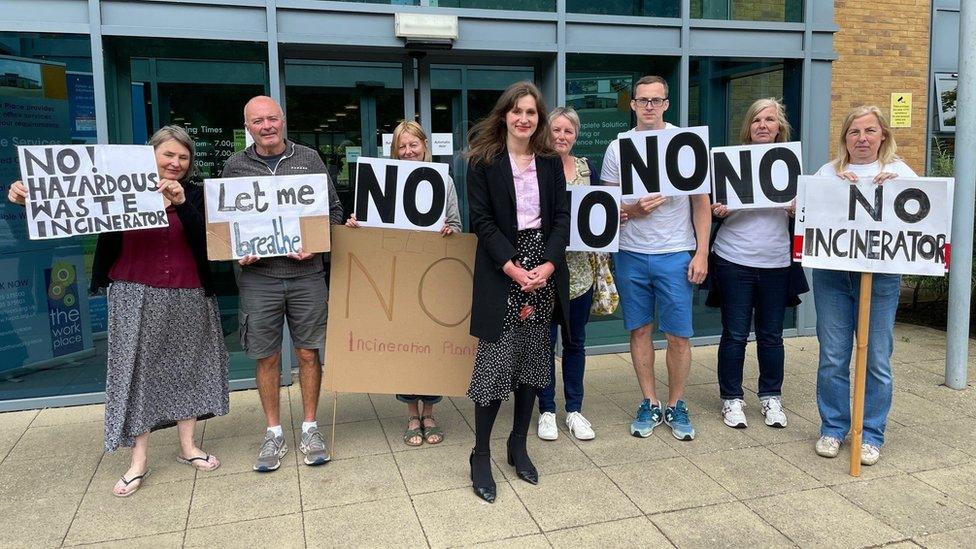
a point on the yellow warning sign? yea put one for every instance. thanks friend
(901, 110)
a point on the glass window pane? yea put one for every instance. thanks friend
(788, 11)
(52, 342)
(647, 8)
(519, 5)
(202, 86)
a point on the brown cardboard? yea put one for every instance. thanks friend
(399, 312)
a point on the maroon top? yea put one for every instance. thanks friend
(159, 257)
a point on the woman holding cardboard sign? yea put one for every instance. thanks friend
(410, 143)
(520, 212)
(866, 150)
(754, 279)
(167, 364)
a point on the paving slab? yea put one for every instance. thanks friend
(280, 531)
(386, 523)
(823, 518)
(949, 540)
(439, 467)
(958, 482)
(616, 445)
(352, 480)
(172, 540)
(459, 517)
(909, 505)
(154, 509)
(829, 471)
(667, 485)
(631, 532)
(572, 499)
(244, 496)
(549, 456)
(754, 472)
(723, 525)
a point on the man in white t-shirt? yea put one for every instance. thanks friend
(655, 271)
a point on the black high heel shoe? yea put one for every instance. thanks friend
(483, 482)
(523, 465)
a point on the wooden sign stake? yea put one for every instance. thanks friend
(860, 371)
(335, 404)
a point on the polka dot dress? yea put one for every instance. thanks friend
(522, 354)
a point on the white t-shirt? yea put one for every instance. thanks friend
(870, 170)
(755, 238)
(665, 230)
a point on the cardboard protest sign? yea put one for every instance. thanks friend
(399, 312)
(266, 216)
(594, 218)
(756, 176)
(90, 189)
(672, 162)
(899, 227)
(401, 194)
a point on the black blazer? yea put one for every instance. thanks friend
(109, 245)
(491, 205)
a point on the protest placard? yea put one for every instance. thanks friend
(400, 312)
(594, 218)
(401, 194)
(266, 216)
(672, 162)
(898, 227)
(756, 176)
(90, 189)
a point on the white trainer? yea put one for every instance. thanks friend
(772, 410)
(547, 426)
(828, 447)
(732, 413)
(870, 454)
(579, 426)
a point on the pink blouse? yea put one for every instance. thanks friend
(528, 212)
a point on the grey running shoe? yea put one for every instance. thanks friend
(272, 450)
(313, 446)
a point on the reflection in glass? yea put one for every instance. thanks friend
(645, 8)
(788, 11)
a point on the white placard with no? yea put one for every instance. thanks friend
(401, 194)
(594, 218)
(673, 162)
(899, 227)
(756, 176)
(90, 189)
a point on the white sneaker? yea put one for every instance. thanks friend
(547, 426)
(772, 410)
(732, 413)
(828, 447)
(870, 454)
(579, 427)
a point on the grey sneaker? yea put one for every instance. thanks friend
(313, 446)
(272, 450)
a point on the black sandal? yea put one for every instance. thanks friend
(130, 481)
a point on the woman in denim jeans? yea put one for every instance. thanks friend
(867, 151)
(753, 278)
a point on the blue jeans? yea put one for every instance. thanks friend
(836, 296)
(747, 293)
(574, 358)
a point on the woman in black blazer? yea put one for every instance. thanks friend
(520, 211)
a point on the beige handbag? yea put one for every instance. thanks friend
(605, 296)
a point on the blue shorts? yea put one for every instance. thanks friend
(646, 281)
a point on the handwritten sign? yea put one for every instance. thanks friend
(594, 218)
(399, 312)
(90, 189)
(672, 162)
(756, 176)
(401, 194)
(899, 227)
(266, 216)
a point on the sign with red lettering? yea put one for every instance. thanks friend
(400, 312)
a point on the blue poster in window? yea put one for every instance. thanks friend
(81, 106)
(64, 309)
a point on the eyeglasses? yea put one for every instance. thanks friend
(655, 102)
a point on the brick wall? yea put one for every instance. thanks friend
(883, 47)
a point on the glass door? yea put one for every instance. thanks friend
(460, 96)
(341, 109)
